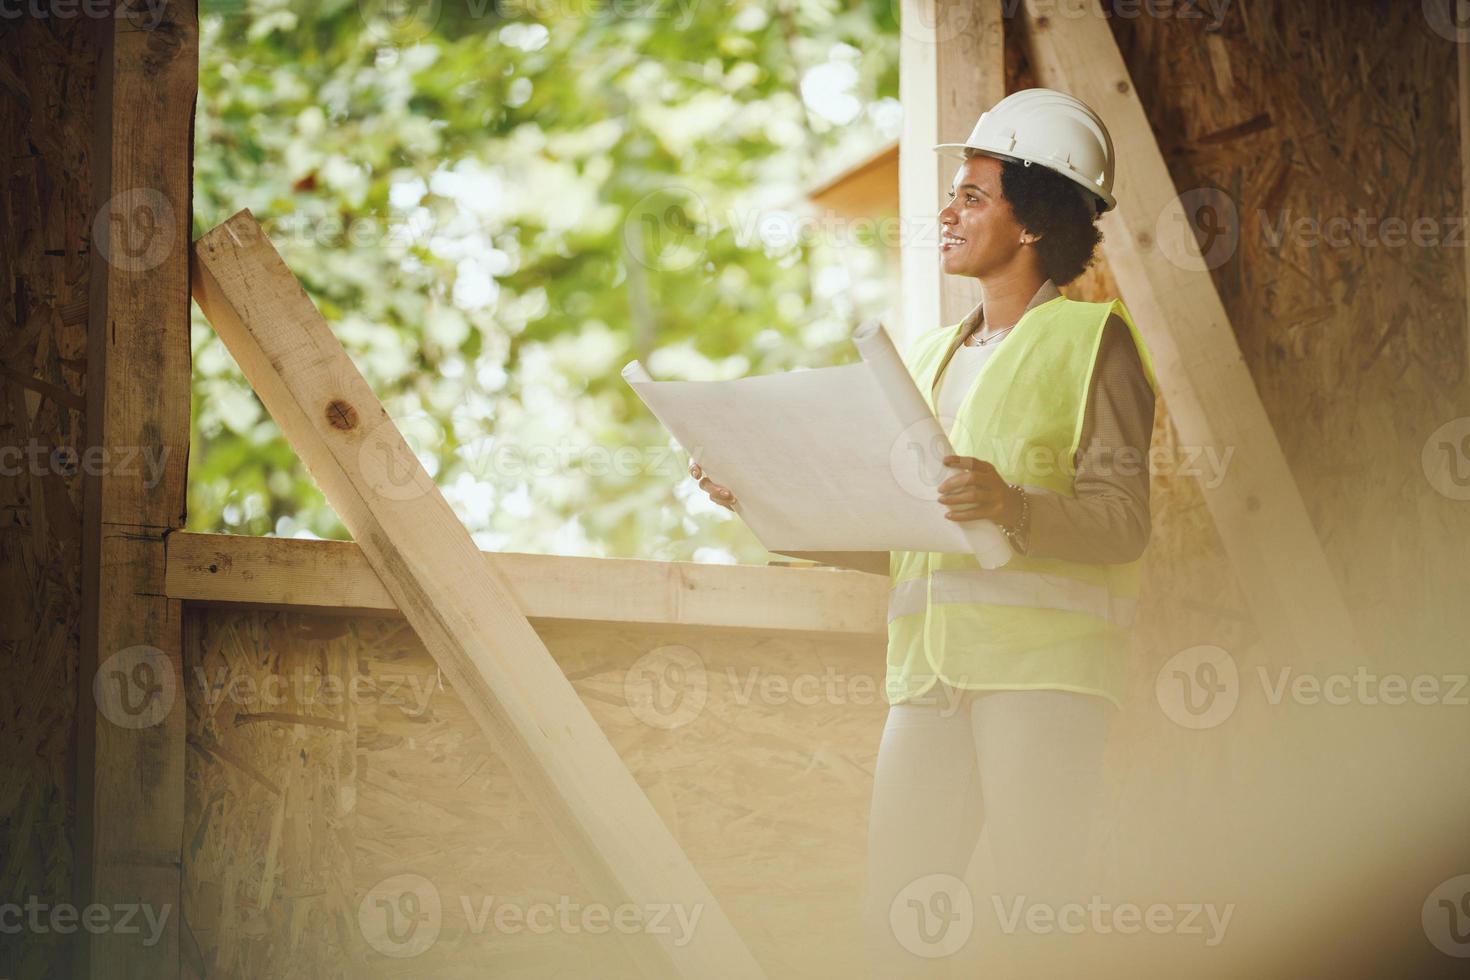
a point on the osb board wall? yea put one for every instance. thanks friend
(47, 75)
(1293, 115)
(327, 817)
(270, 773)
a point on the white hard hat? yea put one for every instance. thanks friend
(1051, 129)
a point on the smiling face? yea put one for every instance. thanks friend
(978, 233)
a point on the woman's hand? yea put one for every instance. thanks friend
(978, 494)
(720, 495)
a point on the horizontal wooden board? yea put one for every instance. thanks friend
(333, 576)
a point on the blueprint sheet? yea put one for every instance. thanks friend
(829, 459)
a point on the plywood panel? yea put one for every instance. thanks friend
(47, 74)
(757, 751)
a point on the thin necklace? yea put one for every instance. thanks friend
(990, 339)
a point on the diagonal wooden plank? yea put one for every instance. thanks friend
(456, 601)
(1211, 397)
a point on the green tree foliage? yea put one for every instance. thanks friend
(498, 204)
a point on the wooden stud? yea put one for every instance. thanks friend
(461, 608)
(1211, 397)
(130, 737)
(951, 69)
(335, 577)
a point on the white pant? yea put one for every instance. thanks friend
(1025, 764)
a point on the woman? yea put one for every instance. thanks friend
(1002, 683)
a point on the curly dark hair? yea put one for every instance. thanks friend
(1058, 210)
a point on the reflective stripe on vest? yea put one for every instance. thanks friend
(1015, 588)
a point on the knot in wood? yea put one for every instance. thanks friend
(341, 415)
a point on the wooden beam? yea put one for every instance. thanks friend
(461, 608)
(1462, 60)
(336, 577)
(130, 735)
(951, 69)
(1211, 397)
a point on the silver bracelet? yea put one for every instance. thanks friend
(1017, 535)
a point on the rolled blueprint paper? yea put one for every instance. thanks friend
(925, 443)
(634, 371)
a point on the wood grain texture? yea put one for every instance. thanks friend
(335, 576)
(951, 69)
(458, 604)
(47, 75)
(762, 770)
(1212, 399)
(131, 765)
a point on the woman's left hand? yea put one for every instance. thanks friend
(980, 493)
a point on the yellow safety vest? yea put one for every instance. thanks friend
(1034, 622)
